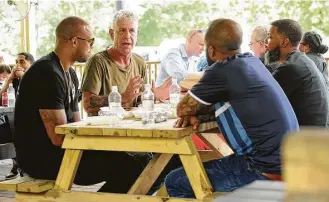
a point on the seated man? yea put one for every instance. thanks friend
(252, 113)
(175, 63)
(118, 66)
(297, 74)
(47, 97)
(23, 62)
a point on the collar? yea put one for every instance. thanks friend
(182, 50)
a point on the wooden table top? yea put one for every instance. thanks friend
(131, 128)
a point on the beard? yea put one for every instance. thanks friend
(209, 61)
(272, 56)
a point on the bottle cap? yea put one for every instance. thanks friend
(115, 88)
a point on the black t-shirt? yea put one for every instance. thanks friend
(305, 88)
(45, 85)
(15, 83)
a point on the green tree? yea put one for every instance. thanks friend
(167, 20)
(49, 14)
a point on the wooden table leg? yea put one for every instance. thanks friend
(216, 143)
(68, 169)
(150, 174)
(195, 172)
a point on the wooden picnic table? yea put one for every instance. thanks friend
(161, 138)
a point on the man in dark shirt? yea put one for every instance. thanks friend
(252, 113)
(47, 97)
(297, 74)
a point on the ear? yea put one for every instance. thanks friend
(111, 33)
(285, 42)
(211, 51)
(74, 41)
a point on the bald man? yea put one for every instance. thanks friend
(252, 112)
(176, 61)
(47, 97)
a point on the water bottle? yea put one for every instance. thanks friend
(148, 116)
(174, 93)
(148, 98)
(116, 111)
(11, 96)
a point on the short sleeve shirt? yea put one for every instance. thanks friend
(252, 111)
(305, 88)
(101, 73)
(45, 85)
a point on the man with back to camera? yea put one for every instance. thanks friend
(252, 112)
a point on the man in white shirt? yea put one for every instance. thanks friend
(176, 62)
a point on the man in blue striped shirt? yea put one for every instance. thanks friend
(252, 112)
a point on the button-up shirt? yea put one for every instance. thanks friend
(174, 63)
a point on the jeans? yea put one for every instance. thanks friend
(225, 175)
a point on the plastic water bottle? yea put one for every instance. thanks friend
(116, 111)
(11, 96)
(148, 115)
(174, 93)
(148, 98)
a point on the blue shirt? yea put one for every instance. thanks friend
(203, 64)
(175, 64)
(258, 114)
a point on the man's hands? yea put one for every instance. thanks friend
(187, 121)
(132, 90)
(16, 72)
(162, 92)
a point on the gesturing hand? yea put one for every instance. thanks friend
(162, 92)
(132, 90)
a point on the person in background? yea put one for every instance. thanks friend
(4, 73)
(312, 45)
(297, 74)
(258, 41)
(23, 62)
(175, 63)
(202, 64)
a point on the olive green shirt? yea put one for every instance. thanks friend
(101, 73)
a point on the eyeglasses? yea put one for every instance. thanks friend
(91, 41)
(197, 31)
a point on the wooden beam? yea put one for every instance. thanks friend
(150, 174)
(306, 161)
(196, 174)
(68, 169)
(133, 144)
(72, 196)
(216, 143)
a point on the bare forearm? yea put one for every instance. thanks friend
(76, 116)
(51, 119)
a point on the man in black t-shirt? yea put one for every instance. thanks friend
(297, 74)
(48, 97)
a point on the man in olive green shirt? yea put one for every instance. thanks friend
(118, 66)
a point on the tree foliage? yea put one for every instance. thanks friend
(164, 19)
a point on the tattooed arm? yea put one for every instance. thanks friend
(191, 112)
(52, 118)
(92, 102)
(188, 106)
